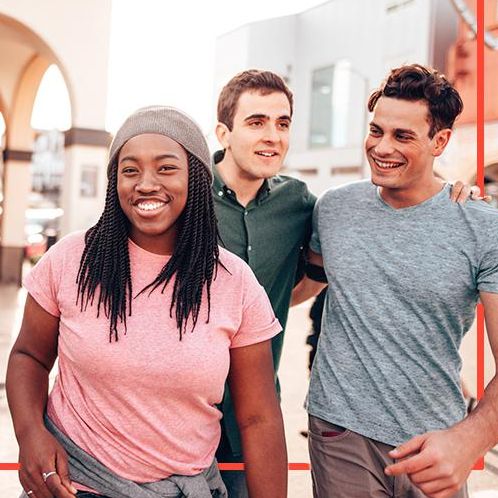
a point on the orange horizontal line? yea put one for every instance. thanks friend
(479, 465)
(299, 466)
(240, 466)
(231, 466)
(9, 466)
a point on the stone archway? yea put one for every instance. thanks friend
(32, 42)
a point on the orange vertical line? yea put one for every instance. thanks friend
(480, 351)
(480, 93)
(480, 181)
(479, 465)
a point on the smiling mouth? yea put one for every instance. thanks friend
(387, 164)
(267, 154)
(150, 206)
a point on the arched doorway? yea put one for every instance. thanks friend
(51, 116)
(23, 37)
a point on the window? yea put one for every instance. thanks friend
(329, 106)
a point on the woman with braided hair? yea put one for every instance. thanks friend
(147, 316)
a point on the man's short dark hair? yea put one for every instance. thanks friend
(255, 80)
(416, 82)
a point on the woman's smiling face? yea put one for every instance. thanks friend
(152, 185)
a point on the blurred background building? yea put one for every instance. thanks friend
(73, 38)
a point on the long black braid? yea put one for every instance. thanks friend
(105, 263)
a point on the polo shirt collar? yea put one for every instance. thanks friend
(220, 186)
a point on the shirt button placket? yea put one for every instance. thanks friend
(249, 246)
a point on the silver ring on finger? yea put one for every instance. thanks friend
(30, 492)
(46, 475)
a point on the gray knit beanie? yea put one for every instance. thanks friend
(163, 120)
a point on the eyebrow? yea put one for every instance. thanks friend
(396, 130)
(265, 116)
(405, 131)
(160, 157)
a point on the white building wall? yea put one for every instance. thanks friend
(327, 34)
(232, 56)
(406, 33)
(272, 45)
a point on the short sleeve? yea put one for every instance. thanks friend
(43, 280)
(258, 322)
(310, 198)
(487, 275)
(315, 238)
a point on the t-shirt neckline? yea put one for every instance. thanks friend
(443, 193)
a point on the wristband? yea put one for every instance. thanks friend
(316, 273)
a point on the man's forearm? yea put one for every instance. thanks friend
(306, 289)
(481, 425)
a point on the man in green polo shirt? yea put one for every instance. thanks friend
(263, 217)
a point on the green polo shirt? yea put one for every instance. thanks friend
(269, 234)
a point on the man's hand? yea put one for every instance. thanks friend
(460, 192)
(438, 462)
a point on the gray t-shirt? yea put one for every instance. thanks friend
(404, 284)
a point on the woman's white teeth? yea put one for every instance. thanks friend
(385, 165)
(267, 154)
(150, 206)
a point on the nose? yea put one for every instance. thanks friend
(147, 183)
(384, 146)
(271, 134)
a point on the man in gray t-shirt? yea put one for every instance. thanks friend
(405, 267)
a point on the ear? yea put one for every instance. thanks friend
(223, 135)
(440, 141)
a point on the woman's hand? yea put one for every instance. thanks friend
(41, 453)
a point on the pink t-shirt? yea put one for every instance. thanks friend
(144, 406)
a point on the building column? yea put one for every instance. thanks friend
(16, 189)
(85, 180)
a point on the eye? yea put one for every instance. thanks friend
(285, 125)
(167, 167)
(256, 124)
(402, 137)
(375, 132)
(128, 170)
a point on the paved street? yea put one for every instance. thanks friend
(483, 484)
